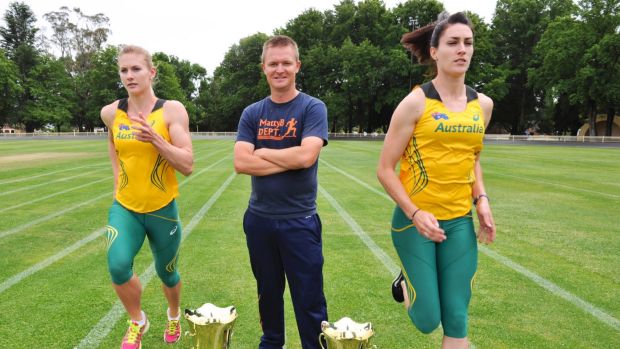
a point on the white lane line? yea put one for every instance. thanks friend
(46, 174)
(56, 214)
(200, 150)
(53, 215)
(48, 261)
(589, 308)
(194, 175)
(64, 179)
(104, 326)
(555, 289)
(55, 145)
(614, 196)
(79, 167)
(389, 264)
(52, 195)
(356, 180)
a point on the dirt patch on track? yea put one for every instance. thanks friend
(40, 157)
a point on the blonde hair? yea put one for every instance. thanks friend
(279, 41)
(125, 49)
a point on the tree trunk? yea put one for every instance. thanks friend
(611, 112)
(516, 128)
(592, 117)
(29, 126)
(360, 118)
(372, 114)
(520, 124)
(334, 122)
(350, 117)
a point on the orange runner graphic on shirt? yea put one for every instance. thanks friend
(272, 129)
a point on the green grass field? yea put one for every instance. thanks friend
(551, 279)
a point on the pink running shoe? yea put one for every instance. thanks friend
(133, 336)
(172, 334)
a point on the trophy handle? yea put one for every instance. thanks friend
(321, 336)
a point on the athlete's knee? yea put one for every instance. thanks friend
(166, 267)
(120, 271)
(167, 272)
(455, 324)
(425, 322)
(169, 279)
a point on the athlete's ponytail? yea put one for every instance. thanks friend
(421, 40)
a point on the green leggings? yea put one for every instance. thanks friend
(126, 233)
(439, 276)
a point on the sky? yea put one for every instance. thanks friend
(202, 31)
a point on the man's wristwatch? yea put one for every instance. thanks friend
(477, 198)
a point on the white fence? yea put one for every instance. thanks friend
(547, 138)
(51, 134)
(489, 138)
(500, 138)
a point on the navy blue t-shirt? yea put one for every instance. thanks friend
(266, 124)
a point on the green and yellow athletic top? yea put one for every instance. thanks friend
(437, 167)
(146, 182)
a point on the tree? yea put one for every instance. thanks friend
(566, 118)
(578, 63)
(236, 83)
(411, 15)
(190, 77)
(422, 12)
(600, 78)
(167, 84)
(10, 89)
(395, 87)
(517, 28)
(104, 85)
(559, 54)
(203, 103)
(366, 20)
(18, 41)
(79, 37)
(307, 29)
(321, 76)
(599, 74)
(363, 76)
(374, 23)
(483, 75)
(339, 22)
(20, 30)
(353, 59)
(51, 91)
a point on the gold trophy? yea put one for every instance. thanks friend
(346, 334)
(210, 327)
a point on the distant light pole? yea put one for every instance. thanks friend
(413, 23)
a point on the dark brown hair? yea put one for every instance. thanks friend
(420, 41)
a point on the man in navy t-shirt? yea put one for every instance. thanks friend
(278, 143)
